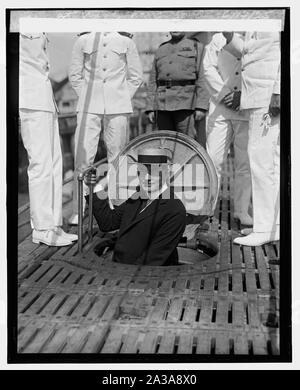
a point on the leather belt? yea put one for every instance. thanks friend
(171, 83)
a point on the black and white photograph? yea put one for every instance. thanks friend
(148, 198)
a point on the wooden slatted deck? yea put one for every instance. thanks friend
(228, 304)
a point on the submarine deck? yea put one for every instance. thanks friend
(72, 303)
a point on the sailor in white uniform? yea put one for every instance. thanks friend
(222, 74)
(105, 72)
(260, 100)
(40, 135)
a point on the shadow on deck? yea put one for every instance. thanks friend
(228, 304)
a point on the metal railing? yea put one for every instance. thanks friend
(80, 179)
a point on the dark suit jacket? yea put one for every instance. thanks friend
(149, 237)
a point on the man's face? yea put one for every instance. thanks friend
(177, 34)
(152, 177)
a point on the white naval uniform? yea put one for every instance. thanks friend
(260, 56)
(222, 73)
(105, 72)
(40, 133)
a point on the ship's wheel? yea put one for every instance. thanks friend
(193, 175)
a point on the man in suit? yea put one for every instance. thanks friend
(40, 135)
(151, 222)
(105, 72)
(260, 101)
(226, 125)
(176, 90)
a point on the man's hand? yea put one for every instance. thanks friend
(199, 114)
(228, 35)
(274, 108)
(151, 116)
(91, 178)
(232, 100)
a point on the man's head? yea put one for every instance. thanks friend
(177, 35)
(153, 169)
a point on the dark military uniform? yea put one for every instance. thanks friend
(176, 87)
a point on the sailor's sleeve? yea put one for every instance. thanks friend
(235, 46)
(276, 89)
(134, 68)
(212, 77)
(76, 67)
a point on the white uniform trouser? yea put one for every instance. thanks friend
(86, 142)
(220, 133)
(264, 156)
(40, 135)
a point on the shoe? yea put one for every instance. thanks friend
(246, 231)
(68, 236)
(257, 239)
(73, 220)
(49, 237)
(244, 219)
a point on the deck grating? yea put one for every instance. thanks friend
(227, 304)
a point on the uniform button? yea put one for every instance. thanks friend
(235, 88)
(236, 73)
(104, 69)
(168, 74)
(170, 62)
(238, 59)
(104, 44)
(104, 81)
